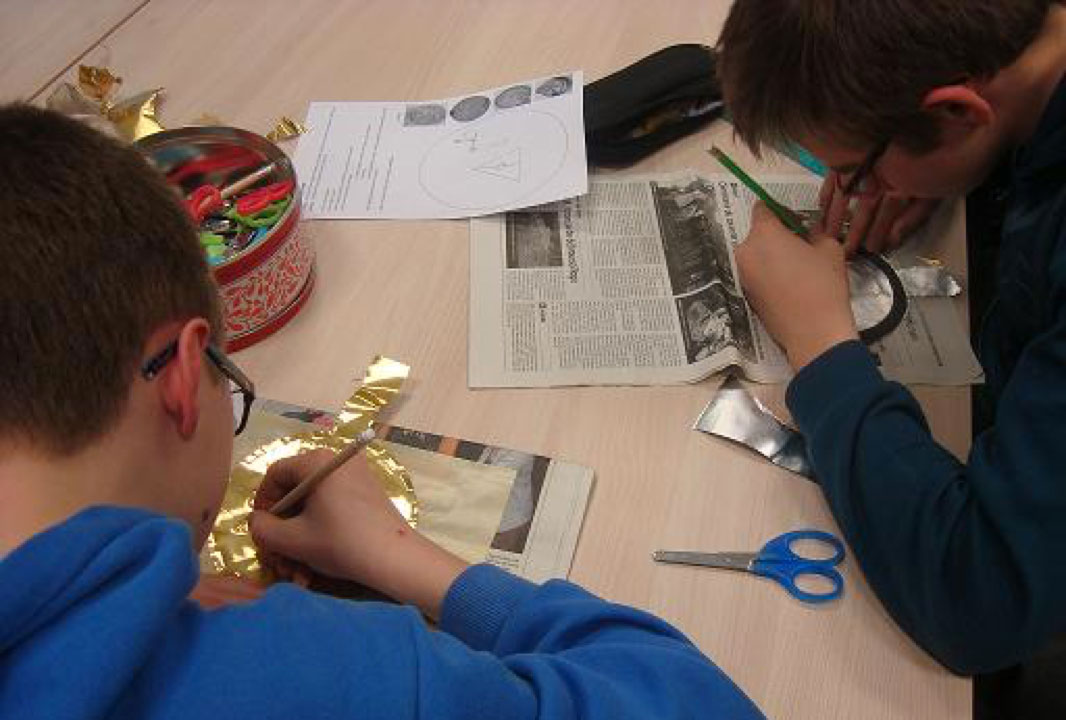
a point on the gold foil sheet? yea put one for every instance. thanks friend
(94, 99)
(285, 129)
(230, 547)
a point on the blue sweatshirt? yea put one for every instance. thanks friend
(970, 559)
(95, 623)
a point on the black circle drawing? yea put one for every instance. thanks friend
(514, 96)
(496, 162)
(470, 108)
(559, 85)
(419, 115)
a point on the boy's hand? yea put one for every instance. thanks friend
(214, 591)
(880, 222)
(799, 289)
(348, 529)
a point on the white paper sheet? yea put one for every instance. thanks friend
(476, 154)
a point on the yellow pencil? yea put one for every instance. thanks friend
(304, 489)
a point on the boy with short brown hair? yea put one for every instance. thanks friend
(117, 413)
(114, 245)
(909, 100)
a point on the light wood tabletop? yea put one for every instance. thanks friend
(401, 289)
(40, 40)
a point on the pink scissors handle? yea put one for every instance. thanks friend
(260, 199)
(203, 201)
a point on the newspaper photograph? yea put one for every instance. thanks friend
(635, 283)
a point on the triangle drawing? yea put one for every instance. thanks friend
(507, 166)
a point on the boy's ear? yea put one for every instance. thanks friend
(179, 383)
(958, 109)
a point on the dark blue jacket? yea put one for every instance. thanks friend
(95, 623)
(970, 559)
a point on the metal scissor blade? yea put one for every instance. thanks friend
(724, 561)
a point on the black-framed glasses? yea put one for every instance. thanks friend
(857, 184)
(242, 390)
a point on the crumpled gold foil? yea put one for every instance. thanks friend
(98, 83)
(136, 117)
(93, 99)
(285, 129)
(230, 546)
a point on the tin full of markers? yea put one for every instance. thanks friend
(242, 192)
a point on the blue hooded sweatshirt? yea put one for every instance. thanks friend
(95, 623)
(970, 559)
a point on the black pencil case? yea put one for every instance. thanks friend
(639, 109)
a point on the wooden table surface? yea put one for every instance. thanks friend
(401, 289)
(41, 39)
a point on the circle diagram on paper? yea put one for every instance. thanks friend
(495, 162)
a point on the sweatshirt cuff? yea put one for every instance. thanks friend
(480, 601)
(843, 369)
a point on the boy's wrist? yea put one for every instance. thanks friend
(806, 348)
(419, 572)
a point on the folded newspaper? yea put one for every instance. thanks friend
(635, 283)
(516, 510)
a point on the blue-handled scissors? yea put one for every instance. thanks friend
(777, 561)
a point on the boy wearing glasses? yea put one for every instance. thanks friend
(117, 412)
(923, 99)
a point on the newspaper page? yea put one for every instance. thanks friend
(635, 283)
(535, 528)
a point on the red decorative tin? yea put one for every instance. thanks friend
(265, 285)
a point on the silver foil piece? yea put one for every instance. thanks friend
(929, 281)
(919, 281)
(871, 295)
(736, 415)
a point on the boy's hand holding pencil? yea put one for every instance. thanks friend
(798, 287)
(346, 528)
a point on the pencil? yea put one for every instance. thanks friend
(304, 489)
(788, 217)
(247, 181)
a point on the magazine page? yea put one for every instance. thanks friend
(517, 510)
(537, 533)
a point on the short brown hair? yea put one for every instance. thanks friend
(858, 69)
(96, 252)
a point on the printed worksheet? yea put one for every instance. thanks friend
(482, 153)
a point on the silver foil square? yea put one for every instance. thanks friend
(736, 415)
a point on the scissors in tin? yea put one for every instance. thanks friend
(207, 199)
(777, 561)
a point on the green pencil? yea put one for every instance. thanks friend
(788, 217)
